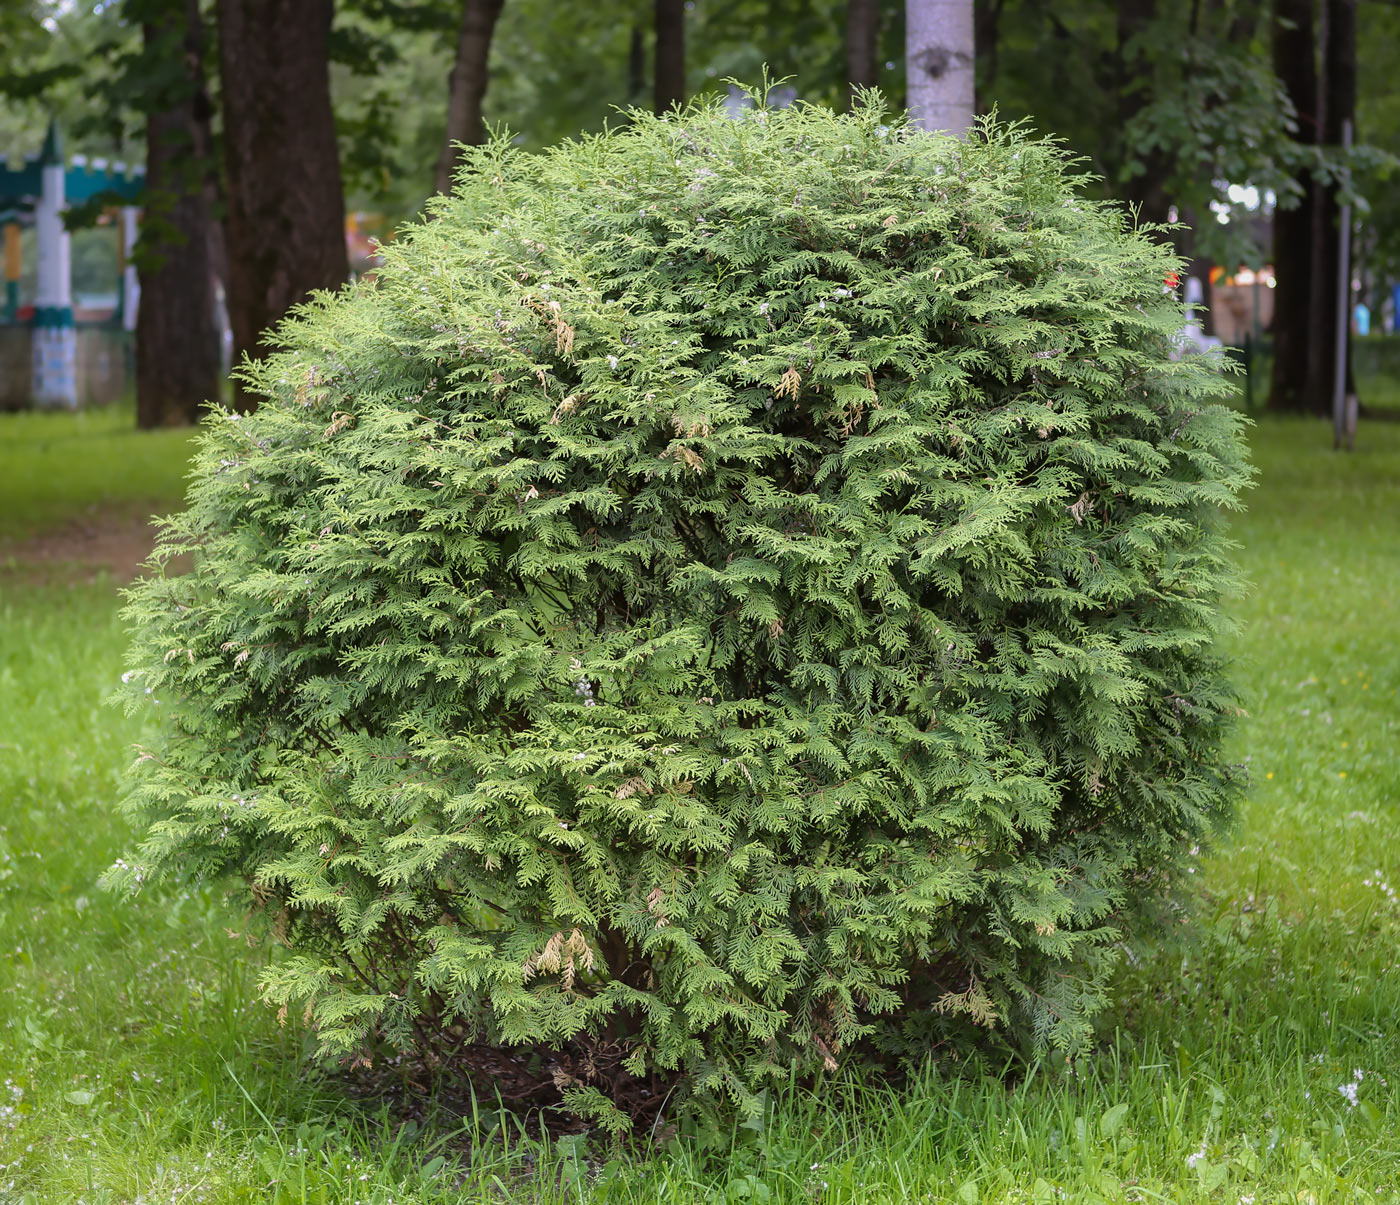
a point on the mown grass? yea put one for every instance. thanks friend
(56, 467)
(137, 1065)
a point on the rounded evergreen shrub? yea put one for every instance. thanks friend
(729, 593)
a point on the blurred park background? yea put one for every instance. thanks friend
(179, 173)
(211, 163)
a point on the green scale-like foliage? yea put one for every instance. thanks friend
(728, 593)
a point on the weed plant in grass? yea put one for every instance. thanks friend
(137, 1065)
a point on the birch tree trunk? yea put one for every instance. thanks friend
(466, 86)
(939, 50)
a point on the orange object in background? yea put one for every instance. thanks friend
(12, 256)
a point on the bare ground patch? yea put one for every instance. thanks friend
(110, 541)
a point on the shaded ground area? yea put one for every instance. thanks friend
(77, 493)
(111, 542)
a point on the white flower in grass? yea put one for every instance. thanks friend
(612, 363)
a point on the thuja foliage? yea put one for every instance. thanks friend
(730, 593)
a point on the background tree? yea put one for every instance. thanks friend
(1168, 105)
(1336, 110)
(467, 86)
(177, 357)
(1294, 59)
(286, 209)
(940, 60)
(862, 45)
(669, 85)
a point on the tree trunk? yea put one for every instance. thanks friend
(1337, 106)
(1294, 63)
(862, 46)
(177, 356)
(988, 39)
(669, 88)
(636, 66)
(466, 86)
(940, 64)
(286, 211)
(1146, 192)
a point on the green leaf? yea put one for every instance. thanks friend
(1110, 1122)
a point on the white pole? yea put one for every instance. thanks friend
(55, 346)
(131, 286)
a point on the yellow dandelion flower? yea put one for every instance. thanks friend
(1270, 774)
(1343, 773)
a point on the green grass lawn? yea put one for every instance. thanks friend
(1255, 1059)
(55, 468)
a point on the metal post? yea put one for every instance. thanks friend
(1343, 431)
(1248, 373)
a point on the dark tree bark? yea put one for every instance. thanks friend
(1294, 57)
(1336, 107)
(987, 16)
(1146, 192)
(286, 210)
(177, 355)
(862, 46)
(636, 66)
(669, 85)
(466, 86)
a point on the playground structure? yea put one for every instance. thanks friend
(47, 357)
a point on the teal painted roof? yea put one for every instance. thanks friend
(22, 183)
(19, 184)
